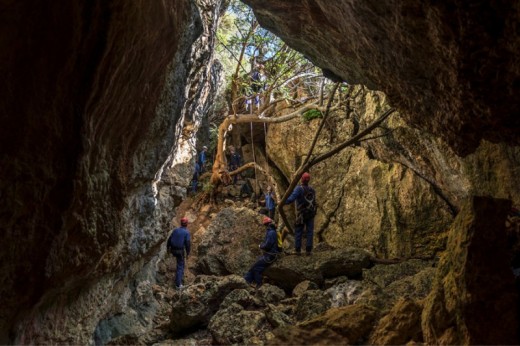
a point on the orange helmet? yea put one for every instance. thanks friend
(266, 221)
(306, 177)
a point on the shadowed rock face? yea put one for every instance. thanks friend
(449, 67)
(91, 108)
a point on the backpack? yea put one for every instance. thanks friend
(309, 208)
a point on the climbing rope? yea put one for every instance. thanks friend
(254, 156)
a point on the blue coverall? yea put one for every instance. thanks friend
(179, 241)
(298, 196)
(202, 160)
(270, 248)
(269, 204)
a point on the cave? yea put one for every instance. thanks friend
(101, 103)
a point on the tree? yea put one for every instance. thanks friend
(285, 71)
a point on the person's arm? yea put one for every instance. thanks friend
(168, 246)
(187, 244)
(294, 195)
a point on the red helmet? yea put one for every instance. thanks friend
(306, 177)
(184, 221)
(266, 221)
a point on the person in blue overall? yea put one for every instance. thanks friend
(270, 249)
(202, 159)
(195, 178)
(234, 163)
(306, 206)
(179, 246)
(270, 203)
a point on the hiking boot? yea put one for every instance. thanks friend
(308, 254)
(179, 287)
(253, 285)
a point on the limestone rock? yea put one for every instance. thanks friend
(428, 65)
(474, 286)
(243, 298)
(289, 271)
(276, 317)
(311, 304)
(198, 302)
(302, 287)
(401, 325)
(230, 244)
(338, 326)
(234, 325)
(270, 294)
(384, 274)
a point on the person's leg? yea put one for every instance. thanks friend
(298, 230)
(310, 234)
(259, 268)
(249, 275)
(271, 214)
(180, 270)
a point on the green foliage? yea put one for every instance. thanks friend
(207, 187)
(312, 114)
(263, 51)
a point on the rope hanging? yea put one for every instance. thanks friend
(254, 156)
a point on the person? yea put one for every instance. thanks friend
(306, 207)
(202, 158)
(195, 178)
(179, 246)
(270, 252)
(234, 162)
(270, 202)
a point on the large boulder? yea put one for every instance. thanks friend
(400, 326)
(289, 271)
(195, 306)
(234, 325)
(473, 299)
(230, 244)
(337, 326)
(383, 285)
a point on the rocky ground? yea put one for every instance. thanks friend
(337, 295)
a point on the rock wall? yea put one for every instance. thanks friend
(396, 194)
(91, 118)
(450, 67)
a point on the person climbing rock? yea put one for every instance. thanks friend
(306, 207)
(270, 202)
(270, 249)
(179, 246)
(202, 158)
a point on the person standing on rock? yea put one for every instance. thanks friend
(202, 158)
(306, 207)
(270, 249)
(270, 203)
(178, 243)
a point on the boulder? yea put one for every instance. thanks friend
(401, 325)
(270, 294)
(311, 304)
(338, 326)
(345, 293)
(289, 271)
(234, 325)
(194, 306)
(276, 317)
(243, 298)
(230, 244)
(303, 287)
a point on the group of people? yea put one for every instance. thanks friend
(305, 198)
